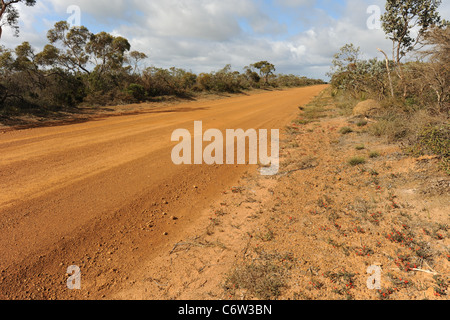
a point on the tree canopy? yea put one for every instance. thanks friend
(402, 17)
(9, 15)
(265, 69)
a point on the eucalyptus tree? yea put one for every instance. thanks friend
(107, 51)
(265, 70)
(9, 15)
(68, 46)
(405, 23)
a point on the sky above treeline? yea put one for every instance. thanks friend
(298, 36)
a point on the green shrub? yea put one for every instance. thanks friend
(137, 91)
(374, 154)
(362, 123)
(346, 130)
(356, 161)
(436, 139)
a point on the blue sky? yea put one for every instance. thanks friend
(298, 36)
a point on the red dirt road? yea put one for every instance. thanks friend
(93, 194)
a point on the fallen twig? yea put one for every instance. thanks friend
(426, 271)
(178, 245)
(295, 170)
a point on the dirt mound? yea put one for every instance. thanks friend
(366, 108)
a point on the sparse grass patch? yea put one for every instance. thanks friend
(324, 202)
(361, 206)
(399, 282)
(344, 281)
(385, 294)
(375, 218)
(394, 128)
(292, 130)
(356, 161)
(314, 112)
(336, 245)
(441, 286)
(345, 103)
(316, 284)
(302, 121)
(360, 147)
(264, 280)
(220, 213)
(305, 163)
(362, 123)
(346, 130)
(421, 132)
(263, 277)
(237, 190)
(435, 139)
(266, 236)
(214, 222)
(293, 145)
(364, 251)
(374, 154)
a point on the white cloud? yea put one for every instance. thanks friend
(296, 3)
(205, 35)
(103, 10)
(29, 18)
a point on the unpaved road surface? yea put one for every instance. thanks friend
(105, 196)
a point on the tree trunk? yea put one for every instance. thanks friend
(389, 72)
(399, 69)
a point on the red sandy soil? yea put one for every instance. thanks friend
(94, 194)
(312, 231)
(105, 196)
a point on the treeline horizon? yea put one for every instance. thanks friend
(78, 68)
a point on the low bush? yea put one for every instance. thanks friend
(356, 161)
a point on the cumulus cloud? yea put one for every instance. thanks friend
(298, 36)
(217, 39)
